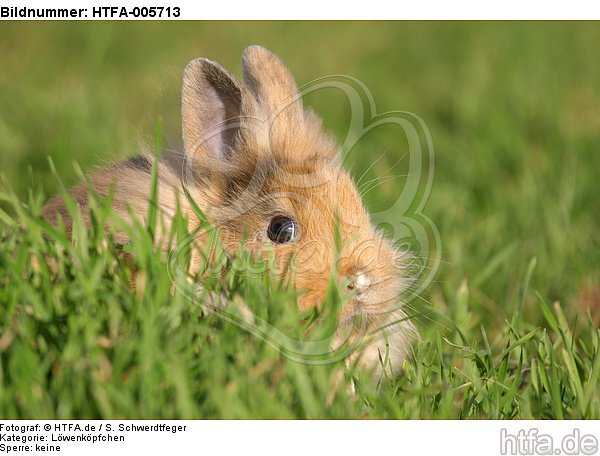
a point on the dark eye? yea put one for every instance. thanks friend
(282, 229)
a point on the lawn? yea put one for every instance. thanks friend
(508, 322)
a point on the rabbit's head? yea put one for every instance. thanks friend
(270, 177)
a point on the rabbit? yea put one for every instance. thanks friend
(263, 171)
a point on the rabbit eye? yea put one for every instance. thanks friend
(282, 230)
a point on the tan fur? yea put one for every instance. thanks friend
(252, 152)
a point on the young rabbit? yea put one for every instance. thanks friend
(264, 173)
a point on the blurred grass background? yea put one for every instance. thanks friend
(513, 109)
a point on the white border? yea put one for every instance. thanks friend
(302, 438)
(348, 10)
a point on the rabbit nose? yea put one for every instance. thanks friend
(360, 283)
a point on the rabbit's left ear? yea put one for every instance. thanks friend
(273, 88)
(211, 108)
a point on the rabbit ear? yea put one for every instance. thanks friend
(211, 109)
(273, 87)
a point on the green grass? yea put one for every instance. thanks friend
(513, 113)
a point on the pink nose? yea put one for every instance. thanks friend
(360, 284)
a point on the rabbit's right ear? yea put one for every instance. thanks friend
(211, 108)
